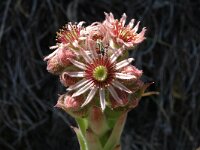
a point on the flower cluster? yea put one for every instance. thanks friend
(93, 64)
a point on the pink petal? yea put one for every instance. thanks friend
(79, 25)
(131, 23)
(121, 86)
(50, 55)
(135, 29)
(83, 89)
(53, 47)
(78, 64)
(114, 94)
(140, 36)
(90, 96)
(116, 54)
(102, 98)
(124, 63)
(123, 19)
(76, 74)
(77, 85)
(124, 76)
(84, 55)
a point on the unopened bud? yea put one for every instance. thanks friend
(53, 66)
(134, 101)
(72, 105)
(64, 55)
(138, 84)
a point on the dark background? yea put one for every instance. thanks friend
(170, 56)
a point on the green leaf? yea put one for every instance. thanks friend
(83, 124)
(114, 138)
(81, 139)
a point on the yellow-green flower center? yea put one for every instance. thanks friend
(100, 73)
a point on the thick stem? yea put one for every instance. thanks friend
(92, 133)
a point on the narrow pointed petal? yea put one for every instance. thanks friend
(124, 76)
(77, 85)
(121, 86)
(74, 51)
(135, 29)
(116, 54)
(102, 98)
(78, 64)
(90, 96)
(83, 89)
(84, 55)
(50, 55)
(92, 48)
(79, 25)
(114, 94)
(131, 23)
(140, 36)
(124, 63)
(76, 74)
(53, 47)
(86, 58)
(123, 19)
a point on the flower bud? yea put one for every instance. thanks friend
(53, 66)
(72, 105)
(134, 101)
(64, 55)
(139, 90)
(138, 84)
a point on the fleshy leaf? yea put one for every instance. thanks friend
(81, 139)
(93, 141)
(114, 138)
(97, 121)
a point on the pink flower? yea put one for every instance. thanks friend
(70, 34)
(96, 32)
(99, 73)
(92, 65)
(123, 34)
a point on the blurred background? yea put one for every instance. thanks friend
(170, 56)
